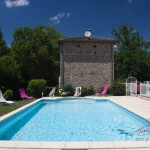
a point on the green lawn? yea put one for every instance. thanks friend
(5, 108)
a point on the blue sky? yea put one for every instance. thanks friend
(74, 17)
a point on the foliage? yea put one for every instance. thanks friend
(69, 89)
(9, 72)
(37, 53)
(8, 94)
(131, 57)
(87, 91)
(47, 90)
(57, 91)
(3, 47)
(36, 87)
(34, 54)
(117, 88)
(100, 89)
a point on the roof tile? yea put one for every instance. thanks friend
(86, 39)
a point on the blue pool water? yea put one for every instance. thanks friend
(74, 120)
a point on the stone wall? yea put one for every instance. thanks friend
(88, 74)
(86, 63)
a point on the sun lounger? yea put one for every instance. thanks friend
(2, 99)
(103, 92)
(24, 95)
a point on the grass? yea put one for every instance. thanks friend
(5, 108)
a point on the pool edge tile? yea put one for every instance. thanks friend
(8, 144)
(95, 145)
(77, 145)
(27, 144)
(52, 145)
(132, 144)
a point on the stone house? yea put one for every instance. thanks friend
(86, 61)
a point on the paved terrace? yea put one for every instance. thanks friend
(134, 104)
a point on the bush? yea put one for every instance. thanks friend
(47, 90)
(69, 89)
(117, 88)
(87, 91)
(8, 94)
(36, 87)
(100, 89)
(57, 91)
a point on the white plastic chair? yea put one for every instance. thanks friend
(2, 99)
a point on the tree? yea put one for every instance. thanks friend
(131, 56)
(10, 75)
(3, 47)
(36, 51)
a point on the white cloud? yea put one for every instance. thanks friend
(130, 1)
(16, 3)
(68, 15)
(61, 14)
(56, 19)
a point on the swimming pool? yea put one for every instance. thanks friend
(73, 120)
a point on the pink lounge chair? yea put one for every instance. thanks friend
(23, 94)
(103, 92)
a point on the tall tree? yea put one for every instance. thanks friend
(9, 72)
(9, 69)
(131, 56)
(36, 51)
(4, 50)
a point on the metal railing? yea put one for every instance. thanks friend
(131, 89)
(145, 89)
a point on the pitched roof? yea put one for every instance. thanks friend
(86, 39)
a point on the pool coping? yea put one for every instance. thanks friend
(84, 145)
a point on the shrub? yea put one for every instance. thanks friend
(69, 89)
(47, 90)
(100, 89)
(36, 87)
(84, 91)
(57, 91)
(87, 91)
(8, 94)
(117, 88)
